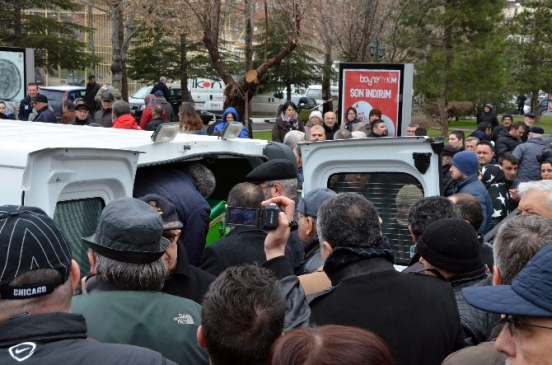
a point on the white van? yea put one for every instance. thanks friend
(315, 91)
(73, 172)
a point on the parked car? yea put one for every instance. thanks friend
(58, 94)
(137, 105)
(302, 103)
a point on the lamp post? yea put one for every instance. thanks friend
(377, 49)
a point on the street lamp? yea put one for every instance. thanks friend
(377, 49)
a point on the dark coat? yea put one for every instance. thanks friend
(477, 324)
(192, 209)
(61, 338)
(243, 245)
(88, 121)
(90, 95)
(25, 108)
(187, 281)
(488, 117)
(154, 123)
(280, 129)
(330, 131)
(46, 116)
(313, 257)
(529, 166)
(505, 143)
(161, 86)
(416, 315)
(103, 117)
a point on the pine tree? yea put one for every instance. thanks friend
(49, 28)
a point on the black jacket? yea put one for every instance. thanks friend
(416, 315)
(187, 281)
(60, 338)
(505, 143)
(477, 324)
(313, 258)
(90, 95)
(161, 86)
(243, 245)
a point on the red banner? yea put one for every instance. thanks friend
(372, 89)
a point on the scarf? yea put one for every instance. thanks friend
(343, 256)
(290, 122)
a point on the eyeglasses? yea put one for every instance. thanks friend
(513, 324)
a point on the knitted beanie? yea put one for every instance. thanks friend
(466, 162)
(451, 244)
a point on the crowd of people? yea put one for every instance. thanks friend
(320, 288)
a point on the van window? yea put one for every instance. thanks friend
(314, 93)
(393, 194)
(77, 219)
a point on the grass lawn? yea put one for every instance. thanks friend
(467, 125)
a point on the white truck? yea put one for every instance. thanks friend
(73, 172)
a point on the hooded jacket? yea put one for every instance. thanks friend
(125, 121)
(234, 112)
(526, 153)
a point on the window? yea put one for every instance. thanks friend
(77, 219)
(393, 194)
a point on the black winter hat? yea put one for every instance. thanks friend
(451, 244)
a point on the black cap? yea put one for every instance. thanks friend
(530, 115)
(536, 130)
(30, 240)
(451, 244)
(130, 231)
(40, 98)
(277, 169)
(82, 107)
(108, 96)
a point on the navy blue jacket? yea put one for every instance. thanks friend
(46, 116)
(471, 185)
(193, 210)
(25, 109)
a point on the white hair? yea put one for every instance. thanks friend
(359, 134)
(543, 185)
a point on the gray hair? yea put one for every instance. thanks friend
(517, 241)
(349, 220)
(342, 134)
(120, 107)
(129, 276)
(543, 185)
(293, 137)
(205, 181)
(162, 79)
(471, 138)
(245, 195)
(289, 186)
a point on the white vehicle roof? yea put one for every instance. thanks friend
(60, 88)
(20, 138)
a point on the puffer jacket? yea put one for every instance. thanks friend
(477, 324)
(505, 143)
(529, 167)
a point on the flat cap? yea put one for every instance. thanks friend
(277, 169)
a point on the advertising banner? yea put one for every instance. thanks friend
(387, 87)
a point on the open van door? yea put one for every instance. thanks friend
(393, 173)
(73, 185)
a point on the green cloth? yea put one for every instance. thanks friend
(217, 229)
(155, 320)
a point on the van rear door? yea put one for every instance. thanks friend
(393, 173)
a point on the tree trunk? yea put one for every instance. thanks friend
(17, 27)
(186, 95)
(448, 50)
(117, 40)
(326, 78)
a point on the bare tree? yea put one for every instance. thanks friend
(210, 14)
